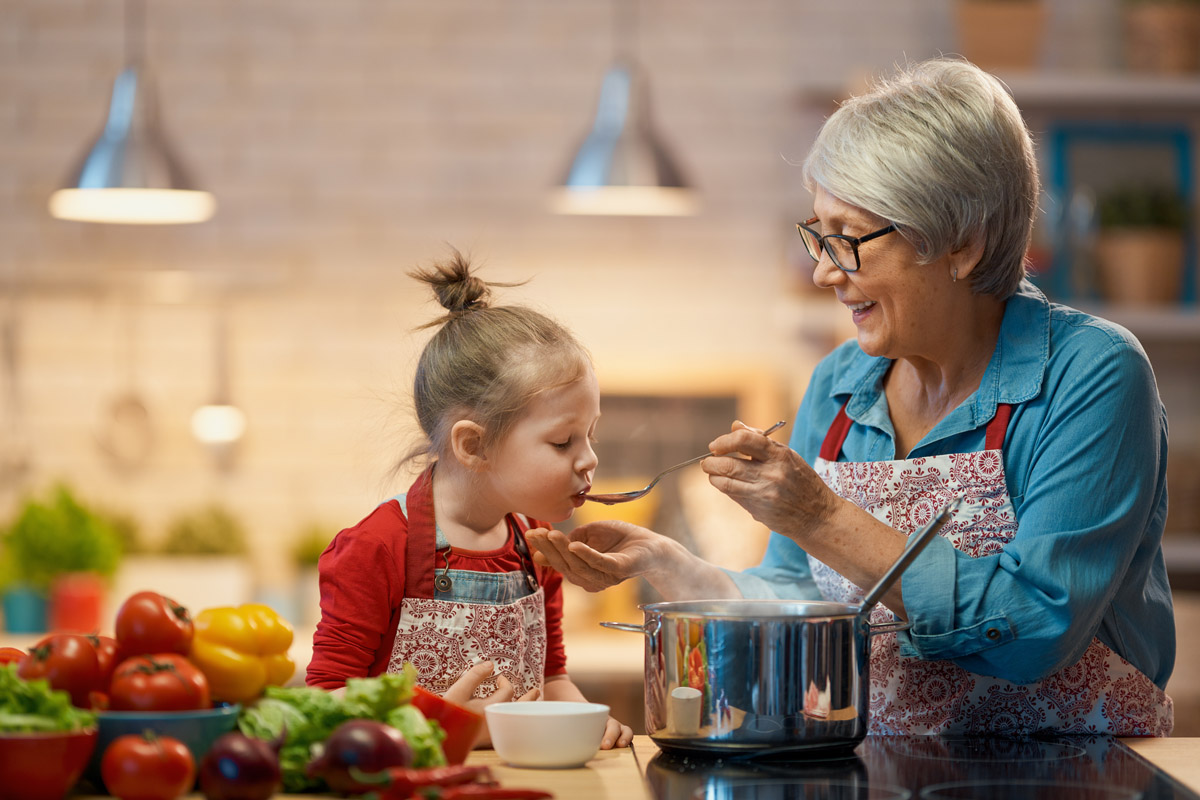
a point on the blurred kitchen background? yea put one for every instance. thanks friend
(346, 142)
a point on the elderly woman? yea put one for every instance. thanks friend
(1044, 603)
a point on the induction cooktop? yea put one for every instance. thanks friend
(925, 768)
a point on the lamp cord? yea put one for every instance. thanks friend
(625, 30)
(135, 33)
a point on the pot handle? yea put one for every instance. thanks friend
(650, 628)
(884, 627)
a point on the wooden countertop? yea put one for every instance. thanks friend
(620, 774)
(1179, 758)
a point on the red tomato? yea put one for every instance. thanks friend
(149, 623)
(147, 767)
(162, 682)
(108, 657)
(11, 655)
(66, 661)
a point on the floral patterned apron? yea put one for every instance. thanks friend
(1100, 693)
(451, 620)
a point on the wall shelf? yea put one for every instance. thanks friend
(1107, 90)
(1170, 322)
(1062, 90)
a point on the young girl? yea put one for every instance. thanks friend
(442, 576)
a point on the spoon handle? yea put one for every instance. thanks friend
(668, 470)
(625, 497)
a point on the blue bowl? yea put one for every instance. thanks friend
(196, 729)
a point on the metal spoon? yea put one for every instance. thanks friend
(625, 497)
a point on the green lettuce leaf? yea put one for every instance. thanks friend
(31, 706)
(423, 735)
(307, 716)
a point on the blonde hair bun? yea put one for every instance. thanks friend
(484, 361)
(455, 288)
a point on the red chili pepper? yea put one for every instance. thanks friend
(484, 791)
(400, 783)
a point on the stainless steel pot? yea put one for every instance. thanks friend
(763, 676)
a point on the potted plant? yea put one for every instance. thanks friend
(202, 561)
(1162, 36)
(211, 530)
(1140, 246)
(999, 35)
(58, 555)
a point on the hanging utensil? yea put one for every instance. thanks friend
(126, 435)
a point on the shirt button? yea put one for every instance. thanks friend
(992, 633)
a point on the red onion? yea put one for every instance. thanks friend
(363, 743)
(240, 767)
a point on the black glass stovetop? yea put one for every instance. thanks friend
(924, 768)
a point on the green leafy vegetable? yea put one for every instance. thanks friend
(310, 715)
(32, 706)
(423, 736)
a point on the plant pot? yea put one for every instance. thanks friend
(998, 35)
(76, 603)
(1162, 38)
(25, 610)
(1140, 267)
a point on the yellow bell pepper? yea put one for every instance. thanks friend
(242, 650)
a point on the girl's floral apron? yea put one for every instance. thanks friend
(445, 629)
(1100, 693)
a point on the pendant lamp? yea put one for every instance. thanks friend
(623, 167)
(131, 174)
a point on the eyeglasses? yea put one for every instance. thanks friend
(843, 250)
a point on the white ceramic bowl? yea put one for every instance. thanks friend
(546, 733)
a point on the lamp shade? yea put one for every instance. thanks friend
(623, 167)
(131, 174)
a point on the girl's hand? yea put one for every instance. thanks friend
(616, 735)
(462, 693)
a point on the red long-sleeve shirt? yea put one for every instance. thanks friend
(362, 580)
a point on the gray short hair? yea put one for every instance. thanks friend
(940, 150)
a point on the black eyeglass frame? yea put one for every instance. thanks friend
(853, 241)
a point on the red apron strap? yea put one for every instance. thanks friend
(997, 427)
(421, 551)
(831, 448)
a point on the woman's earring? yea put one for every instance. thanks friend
(954, 277)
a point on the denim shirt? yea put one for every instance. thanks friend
(1085, 461)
